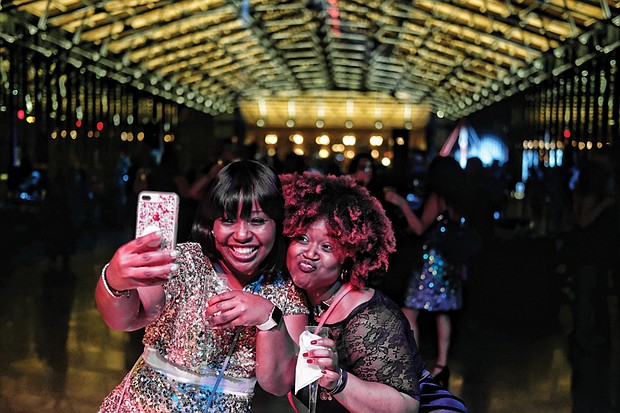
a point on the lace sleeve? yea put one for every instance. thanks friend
(379, 346)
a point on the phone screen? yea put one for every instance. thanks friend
(158, 211)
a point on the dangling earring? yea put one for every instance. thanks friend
(344, 275)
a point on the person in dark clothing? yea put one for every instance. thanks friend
(592, 252)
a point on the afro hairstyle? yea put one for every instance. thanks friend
(355, 220)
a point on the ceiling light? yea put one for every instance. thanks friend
(349, 140)
(271, 139)
(338, 147)
(376, 140)
(322, 140)
(297, 139)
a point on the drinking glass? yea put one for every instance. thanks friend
(222, 283)
(314, 387)
(217, 285)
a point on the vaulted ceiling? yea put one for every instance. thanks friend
(451, 56)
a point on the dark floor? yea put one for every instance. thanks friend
(510, 346)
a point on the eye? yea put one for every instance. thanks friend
(258, 221)
(302, 239)
(226, 221)
(327, 247)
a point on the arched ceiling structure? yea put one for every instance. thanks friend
(450, 56)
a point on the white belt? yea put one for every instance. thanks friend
(240, 387)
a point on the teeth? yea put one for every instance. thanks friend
(244, 250)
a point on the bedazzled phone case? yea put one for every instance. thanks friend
(158, 211)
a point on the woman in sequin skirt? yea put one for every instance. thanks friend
(212, 309)
(436, 285)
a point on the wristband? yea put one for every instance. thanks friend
(114, 293)
(340, 385)
(274, 319)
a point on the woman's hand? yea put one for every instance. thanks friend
(140, 263)
(237, 308)
(327, 359)
(393, 198)
(136, 265)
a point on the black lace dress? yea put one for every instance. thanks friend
(375, 344)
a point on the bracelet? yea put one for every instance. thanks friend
(114, 293)
(340, 385)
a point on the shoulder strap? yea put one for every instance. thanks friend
(347, 288)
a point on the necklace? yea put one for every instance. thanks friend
(321, 307)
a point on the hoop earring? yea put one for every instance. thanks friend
(347, 265)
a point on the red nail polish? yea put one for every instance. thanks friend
(313, 342)
(310, 361)
(304, 355)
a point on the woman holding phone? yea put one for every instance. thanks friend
(217, 312)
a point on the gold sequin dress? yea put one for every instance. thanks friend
(183, 356)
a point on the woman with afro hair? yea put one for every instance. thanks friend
(340, 242)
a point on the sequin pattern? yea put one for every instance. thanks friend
(437, 285)
(182, 337)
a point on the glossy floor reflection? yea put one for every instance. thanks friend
(510, 352)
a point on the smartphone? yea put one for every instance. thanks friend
(158, 211)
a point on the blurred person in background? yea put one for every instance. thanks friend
(436, 285)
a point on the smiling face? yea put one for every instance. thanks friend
(314, 261)
(244, 243)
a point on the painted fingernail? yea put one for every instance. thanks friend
(310, 361)
(313, 342)
(174, 253)
(305, 355)
(174, 267)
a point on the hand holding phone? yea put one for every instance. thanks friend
(158, 211)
